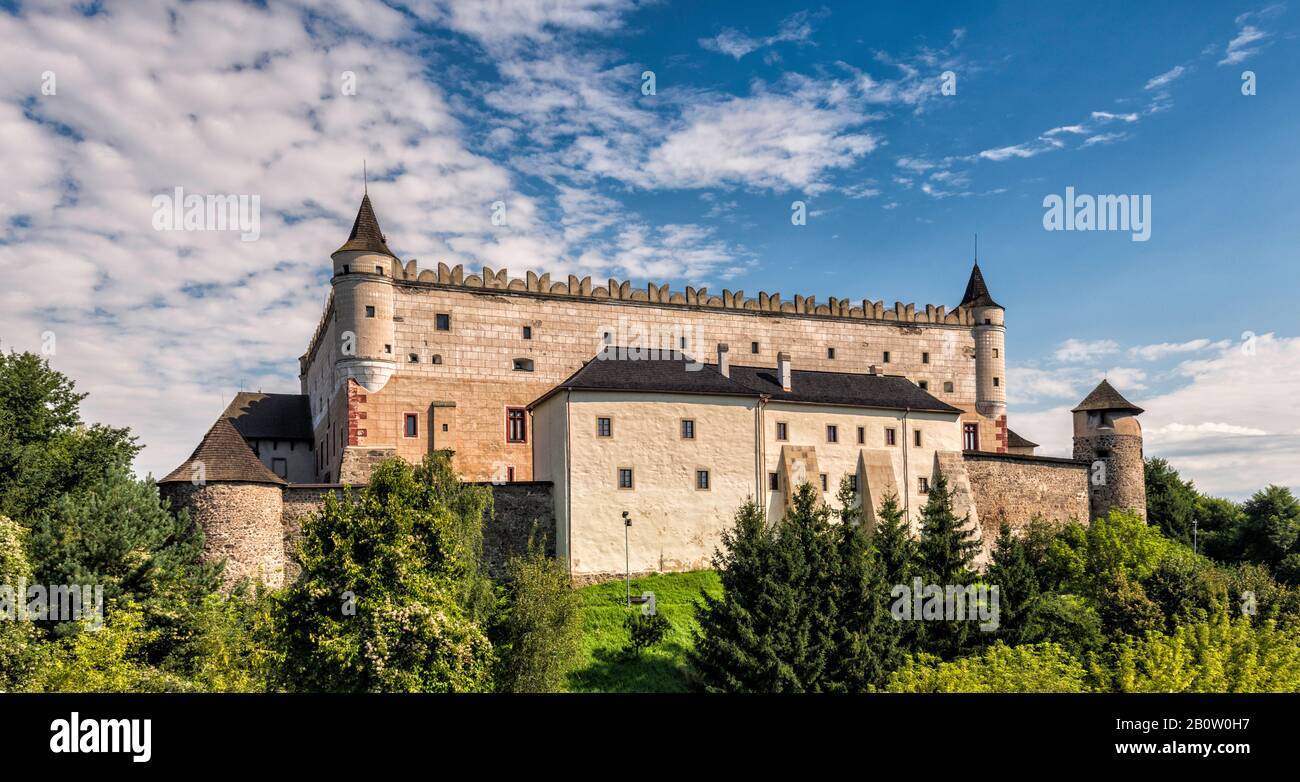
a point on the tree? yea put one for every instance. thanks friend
(1271, 533)
(944, 555)
(377, 607)
(540, 629)
(1171, 501)
(17, 638)
(1011, 572)
(1000, 668)
(892, 540)
(1220, 655)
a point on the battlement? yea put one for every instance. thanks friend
(692, 297)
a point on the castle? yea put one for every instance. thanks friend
(577, 401)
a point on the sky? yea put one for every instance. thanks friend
(671, 142)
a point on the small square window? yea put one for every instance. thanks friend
(437, 359)
(411, 425)
(413, 358)
(379, 270)
(988, 321)
(924, 385)
(832, 433)
(773, 481)
(916, 437)
(753, 347)
(830, 352)
(891, 437)
(782, 431)
(862, 435)
(995, 352)
(528, 332)
(925, 358)
(853, 482)
(923, 485)
(604, 427)
(688, 429)
(996, 382)
(442, 321)
(825, 481)
(444, 427)
(947, 387)
(523, 365)
(370, 311)
(346, 269)
(702, 480)
(886, 357)
(625, 477)
(388, 348)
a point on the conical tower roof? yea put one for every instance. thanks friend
(225, 456)
(1105, 397)
(366, 236)
(977, 293)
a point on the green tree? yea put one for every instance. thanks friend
(945, 553)
(892, 540)
(1220, 524)
(1000, 668)
(1012, 573)
(1171, 501)
(378, 605)
(1220, 655)
(18, 639)
(540, 630)
(1271, 533)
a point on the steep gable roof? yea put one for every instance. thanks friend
(225, 458)
(1105, 397)
(270, 416)
(366, 235)
(977, 292)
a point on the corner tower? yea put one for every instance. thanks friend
(363, 301)
(1108, 436)
(990, 352)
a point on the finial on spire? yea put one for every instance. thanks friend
(977, 248)
(365, 178)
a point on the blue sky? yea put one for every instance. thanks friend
(756, 105)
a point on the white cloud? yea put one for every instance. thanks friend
(1106, 116)
(794, 29)
(1077, 351)
(1164, 349)
(1104, 138)
(1250, 39)
(1165, 78)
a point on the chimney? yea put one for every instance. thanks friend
(724, 359)
(783, 370)
(874, 369)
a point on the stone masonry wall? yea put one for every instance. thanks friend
(241, 524)
(1018, 488)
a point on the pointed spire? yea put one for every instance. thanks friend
(366, 235)
(1105, 397)
(977, 293)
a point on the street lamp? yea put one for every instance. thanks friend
(627, 558)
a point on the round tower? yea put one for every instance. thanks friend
(990, 347)
(363, 303)
(236, 501)
(1108, 436)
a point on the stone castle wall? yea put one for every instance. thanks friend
(1124, 484)
(1017, 489)
(241, 523)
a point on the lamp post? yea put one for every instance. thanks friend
(627, 558)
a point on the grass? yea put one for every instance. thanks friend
(660, 669)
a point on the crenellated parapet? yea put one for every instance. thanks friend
(653, 293)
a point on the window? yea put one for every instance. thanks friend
(388, 348)
(773, 481)
(832, 433)
(970, 437)
(683, 343)
(528, 332)
(947, 387)
(516, 425)
(853, 482)
(988, 321)
(753, 347)
(604, 427)
(523, 365)
(862, 435)
(886, 357)
(782, 431)
(924, 385)
(702, 480)
(436, 359)
(688, 429)
(830, 352)
(280, 467)
(996, 382)
(510, 473)
(995, 352)
(825, 481)
(413, 358)
(379, 270)
(370, 311)
(923, 485)
(346, 268)
(624, 477)
(891, 437)
(925, 358)
(916, 438)
(412, 425)
(444, 427)
(442, 321)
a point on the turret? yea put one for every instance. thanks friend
(1108, 436)
(990, 348)
(363, 301)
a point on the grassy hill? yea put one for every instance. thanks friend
(661, 669)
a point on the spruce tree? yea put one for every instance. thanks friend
(1013, 574)
(893, 541)
(944, 555)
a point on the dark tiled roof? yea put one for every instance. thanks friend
(1105, 397)
(366, 235)
(977, 293)
(225, 457)
(1016, 441)
(671, 376)
(270, 416)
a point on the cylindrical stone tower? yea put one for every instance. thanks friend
(363, 302)
(1108, 436)
(990, 333)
